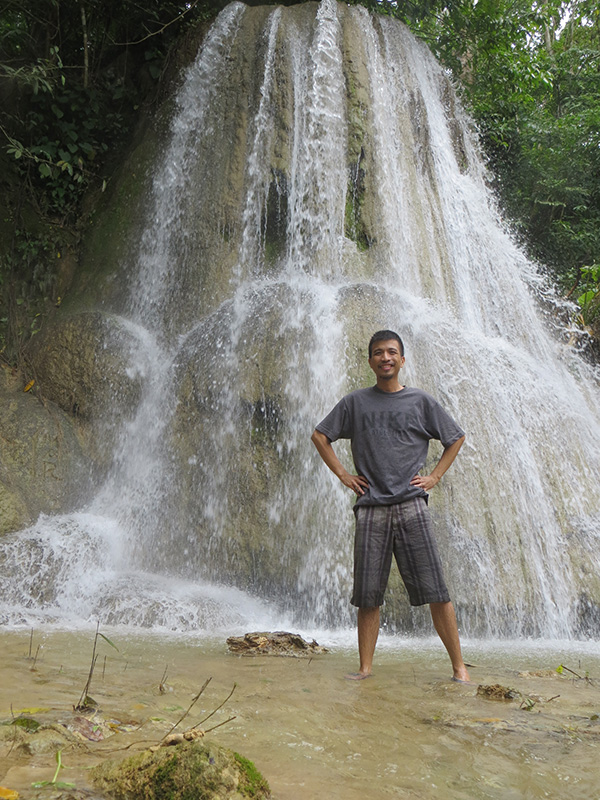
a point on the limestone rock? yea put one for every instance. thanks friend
(13, 511)
(42, 465)
(83, 364)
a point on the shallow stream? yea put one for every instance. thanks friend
(407, 732)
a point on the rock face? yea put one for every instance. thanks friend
(58, 438)
(82, 365)
(43, 468)
(88, 363)
(188, 770)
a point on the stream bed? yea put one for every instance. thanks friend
(407, 732)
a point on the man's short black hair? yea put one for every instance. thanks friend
(385, 336)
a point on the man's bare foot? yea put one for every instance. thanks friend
(357, 676)
(461, 675)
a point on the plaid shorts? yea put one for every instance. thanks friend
(405, 530)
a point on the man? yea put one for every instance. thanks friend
(390, 426)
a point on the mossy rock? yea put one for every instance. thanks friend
(188, 771)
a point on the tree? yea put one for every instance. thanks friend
(74, 75)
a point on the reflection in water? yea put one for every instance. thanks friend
(408, 732)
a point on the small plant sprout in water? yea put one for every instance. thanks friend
(55, 782)
(528, 704)
(576, 676)
(30, 657)
(85, 701)
(163, 687)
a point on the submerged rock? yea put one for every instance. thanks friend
(47, 739)
(192, 770)
(278, 643)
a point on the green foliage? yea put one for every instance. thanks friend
(27, 723)
(528, 704)
(72, 84)
(27, 283)
(60, 129)
(37, 252)
(589, 300)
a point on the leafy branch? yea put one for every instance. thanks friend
(589, 300)
(189, 7)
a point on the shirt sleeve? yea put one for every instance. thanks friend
(441, 425)
(336, 425)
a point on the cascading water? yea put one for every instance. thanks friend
(320, 181)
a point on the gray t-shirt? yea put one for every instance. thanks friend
(390, 433)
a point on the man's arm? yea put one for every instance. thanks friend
(427, 482)
(357, 483)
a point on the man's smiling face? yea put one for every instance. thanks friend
(386, 361)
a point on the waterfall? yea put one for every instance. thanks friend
(320, 181)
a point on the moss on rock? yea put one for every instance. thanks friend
(189, 771)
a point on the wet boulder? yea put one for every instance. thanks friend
(191, 769)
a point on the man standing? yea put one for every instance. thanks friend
(390, 426)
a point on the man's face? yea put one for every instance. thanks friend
(386, 361)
